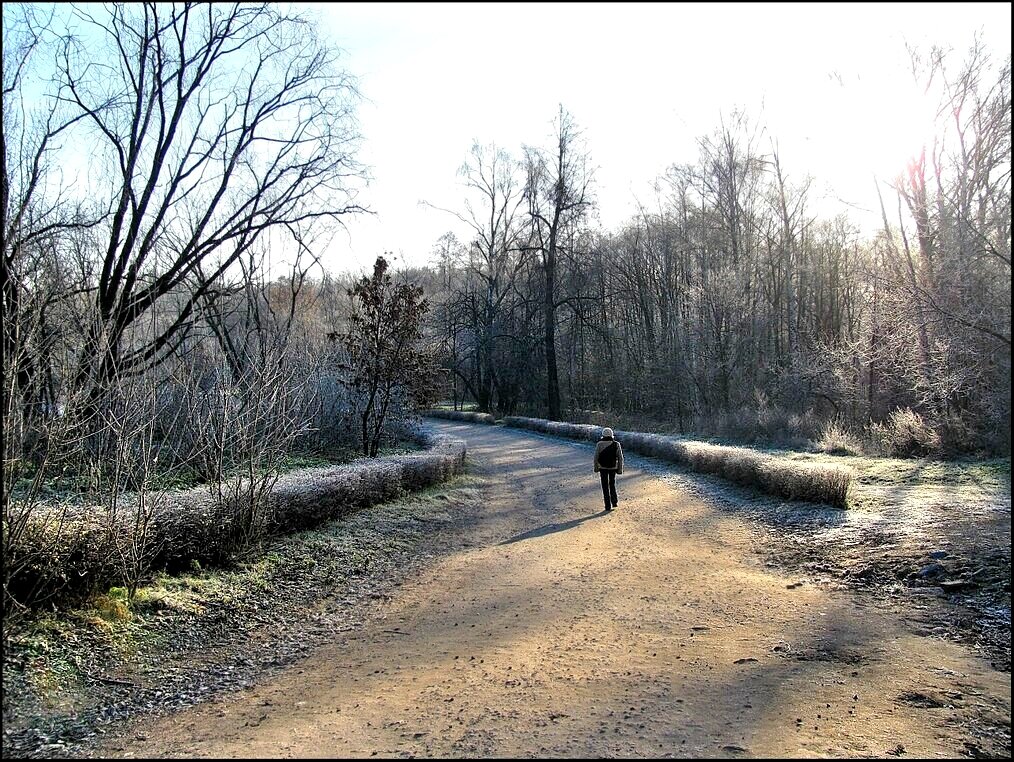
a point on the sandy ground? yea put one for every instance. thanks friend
(652, 630)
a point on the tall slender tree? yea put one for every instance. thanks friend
(558, 195)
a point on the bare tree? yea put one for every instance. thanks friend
(558, 195)
(948, 256)
(36, 213)
(218, 124)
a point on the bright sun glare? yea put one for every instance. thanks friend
(893, 129)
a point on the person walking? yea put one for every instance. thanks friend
(608, 463)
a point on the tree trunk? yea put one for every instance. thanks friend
(552, 377)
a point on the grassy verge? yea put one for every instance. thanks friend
(869, 469)
(881, 481)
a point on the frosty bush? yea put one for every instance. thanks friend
(837, 440)
(906, 434)
(796, 481)
(461, 415)
(71, 552)
(555, 428)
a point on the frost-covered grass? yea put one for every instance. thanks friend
(814, 482)
(886, 484)
(461, 415)
(870, 469)
(70, 486)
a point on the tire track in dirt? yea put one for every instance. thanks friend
(565, 631)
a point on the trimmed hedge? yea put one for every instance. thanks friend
(461, 415)
(813, 482)
(69, 558)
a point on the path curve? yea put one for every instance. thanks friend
(652, 630)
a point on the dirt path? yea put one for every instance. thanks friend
(565, 631)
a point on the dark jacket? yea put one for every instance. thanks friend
(608, 455)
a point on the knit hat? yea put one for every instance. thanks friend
(607, 432)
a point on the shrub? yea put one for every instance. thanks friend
(65, 555)
(837, 440)
(461, 415)
(764, 423)
(777, 476)
(555, 428)
(906, 434)
(956, 436)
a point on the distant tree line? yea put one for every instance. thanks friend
(728, 307)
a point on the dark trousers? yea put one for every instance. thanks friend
(609, 487)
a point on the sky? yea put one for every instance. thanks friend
(643, 81)
(830, 82)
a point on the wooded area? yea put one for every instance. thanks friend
(728, 308)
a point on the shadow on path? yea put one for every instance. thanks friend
(552, 528)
